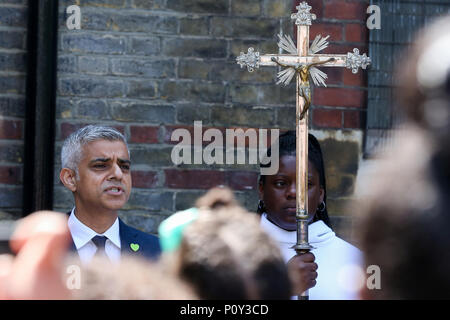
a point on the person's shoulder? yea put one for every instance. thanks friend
(138, 233)
(147, 236)
(347, 246)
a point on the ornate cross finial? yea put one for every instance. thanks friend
(251, 60)
(356, 60)
(303, 16)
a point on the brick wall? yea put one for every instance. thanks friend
(150, 67)
(342, 105)
(13, 24)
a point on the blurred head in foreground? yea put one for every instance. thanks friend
(224, 254)
(405, 227)
(41, 268)
(133, 279)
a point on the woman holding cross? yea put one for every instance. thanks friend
(326, 270)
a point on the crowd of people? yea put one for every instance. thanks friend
(218, 250)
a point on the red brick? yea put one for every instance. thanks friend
(354, 79)
(144, 134)
(68, 128)
(171, 129)
(10, 129)
(335, 48)
(355, 32)
(242, 180)
(334, 74)
(342, 75)
(334, 30)
(144, 179)
(327, 118)
(344, 10)
(352, 119)
(339, 97)
(194, 179)
(9, 175)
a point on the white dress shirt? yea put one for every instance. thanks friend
(339, 263)
(82, 237)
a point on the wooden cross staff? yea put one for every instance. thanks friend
(301, 62)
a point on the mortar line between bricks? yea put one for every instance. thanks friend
(334, 20)
(14, 118)
(158, 102)
(84, 76)
(338, 86)
(11, 95)
(154, 35)
(7, 50)
(144, 123)
(139, 12)
(14, 29)
(10, 164)
(12, 73)
(132, 57)
(13, 5)
(14, 186)
(323, 107)
(167, 13)
(10, 142)
(341, 42)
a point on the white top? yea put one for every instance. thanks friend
(82, 237)
(340, 273)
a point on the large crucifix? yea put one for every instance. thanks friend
(302, 61)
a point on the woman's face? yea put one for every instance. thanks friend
(278, 193)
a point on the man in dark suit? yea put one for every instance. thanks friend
(96, 168)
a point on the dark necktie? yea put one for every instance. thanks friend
(99, 242)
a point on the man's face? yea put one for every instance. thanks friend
(104, 177)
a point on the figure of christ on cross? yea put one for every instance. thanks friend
(303, 85)
(301, 62)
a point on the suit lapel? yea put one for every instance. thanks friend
(127, 238)
(72, 246)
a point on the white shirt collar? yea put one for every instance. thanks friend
(82, 234)
(318, 232)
